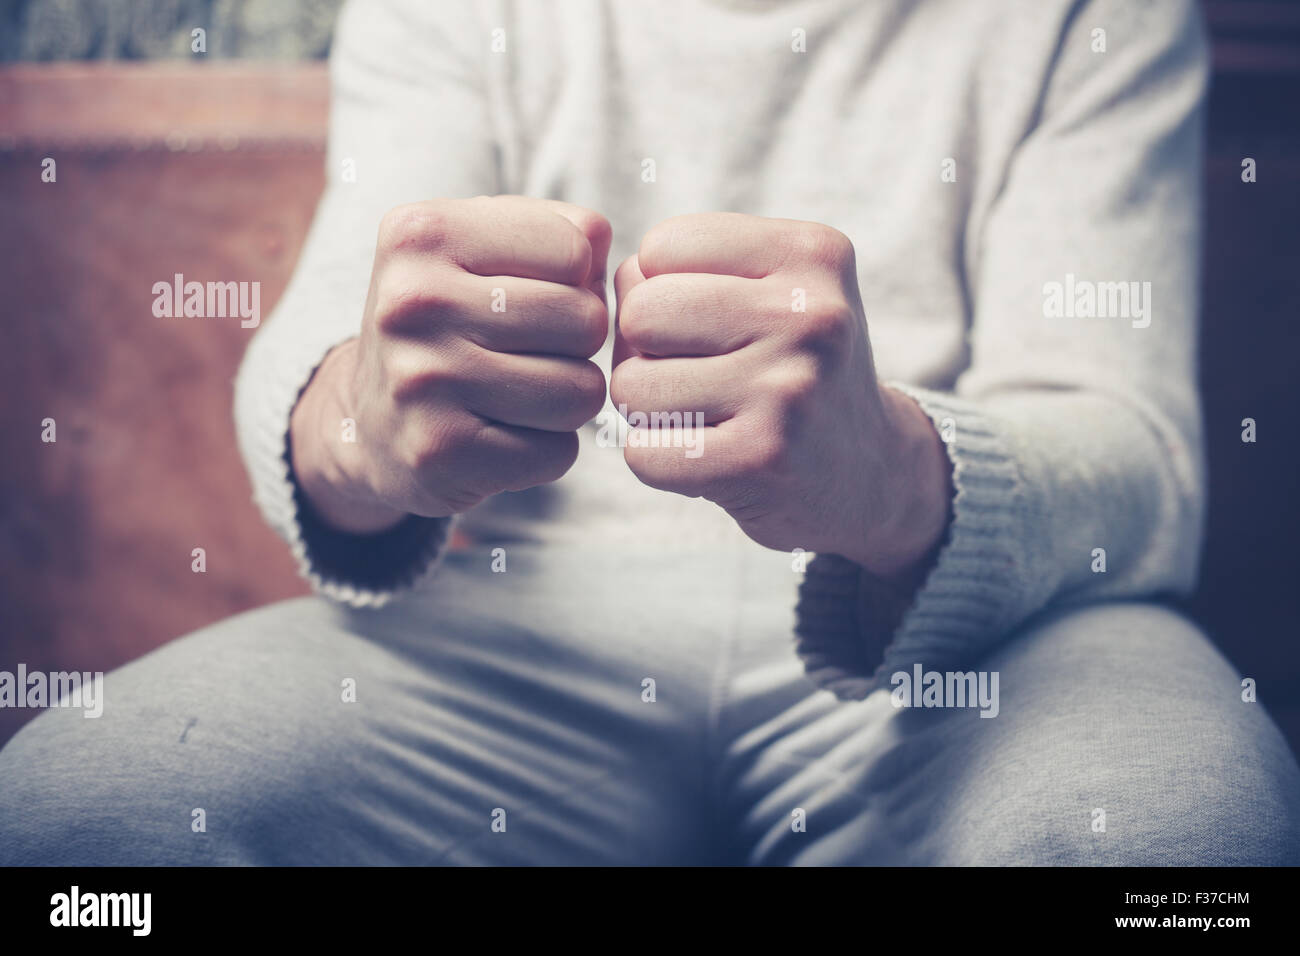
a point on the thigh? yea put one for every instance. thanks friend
(1121, 737)
(306, 733)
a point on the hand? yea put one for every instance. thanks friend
(453, 400)
(802, 446)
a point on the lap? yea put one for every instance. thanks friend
(307, 733)
(1121, 737)
(1124, 709)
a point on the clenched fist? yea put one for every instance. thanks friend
(471, 372)
(757, 325)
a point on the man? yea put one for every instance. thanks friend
(917, 280)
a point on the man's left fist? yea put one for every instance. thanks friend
(755, 327)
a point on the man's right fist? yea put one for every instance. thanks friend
(471, 372)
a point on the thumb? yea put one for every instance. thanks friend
(627, 278)
(599, 234)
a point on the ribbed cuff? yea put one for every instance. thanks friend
(853, 631)
(367, 570)
(357, 570)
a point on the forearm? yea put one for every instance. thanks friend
(1113, 491)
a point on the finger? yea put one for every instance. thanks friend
(599, 235)
(627, 277)
(529, 315)
(549, 393)
(697, 463)
(424, 300)
(691, 389)
(722, 243)
(510, 458)
(495, 236)
(696, 314)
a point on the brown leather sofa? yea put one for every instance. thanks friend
(213, 172)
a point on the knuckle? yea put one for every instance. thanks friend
(413, 226)
(551, 456)
(826, 327)
(582, 394)
(649, 467)
(794, 383)
(622, 382)
(629, 382)
(589, 386)
(578, 253)
(594, 319)
(558, 457)
(657, 244)
(652, 305)
(401, 304)
(594, 226)
(633, 313)
(412, 375)
(826, 245)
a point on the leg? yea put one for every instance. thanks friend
(1122, 708)
(246, 720)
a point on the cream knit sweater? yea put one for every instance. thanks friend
(1020, 180)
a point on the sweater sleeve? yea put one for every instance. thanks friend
(1075, 432)
(408, 121)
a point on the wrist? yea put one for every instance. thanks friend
(918, 503)
(318, 455)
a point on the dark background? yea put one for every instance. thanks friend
(211, 167)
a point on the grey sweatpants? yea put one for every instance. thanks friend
(517, 726)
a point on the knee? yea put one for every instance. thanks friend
(1123, 739)
(1125, 813)
(77, 794)
(207, 752)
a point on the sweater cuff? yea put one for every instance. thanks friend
(357, 570)
(366, 570)
(853, 631)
